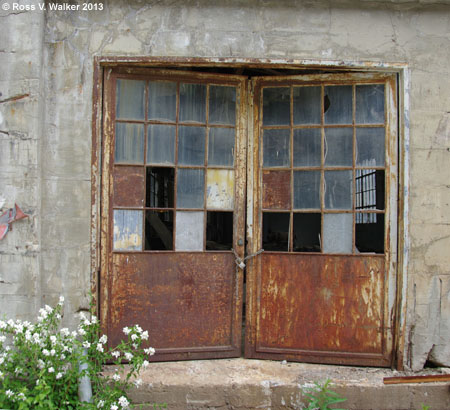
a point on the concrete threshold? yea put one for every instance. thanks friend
(263, 384)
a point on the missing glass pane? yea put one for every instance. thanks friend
(158, 230)
(160, 187)
(276, 106)
(276, 231)
(369, 185)
(219, 230)
(369, 232)
(307, 232)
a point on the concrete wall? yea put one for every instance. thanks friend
(45, 136)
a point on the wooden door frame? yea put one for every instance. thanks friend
(101, 65)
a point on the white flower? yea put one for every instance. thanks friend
(128, 356)
(51, 370)
(1, 374)
(2, 339)
(116, 377)
(61, 300)
(58, 316)
(41, 364)
(28, 336)
(59, 376)
(2, 324)
(9, 393)
(53, 339)
(64, 331)
(2, 359)
(138, 328)
(100, 404)
(10, 322)
(124, 402)
(145, 364)
(114, 407)
(135, 346)
(86, 345)
(115, 354)
(81, 331)
(150, 351)
(52, 352)
(100, 347)
(18, 328)
(82, 316)
(21, 396)
(138, 382)
(94, 319)
(45, 352)
(126, 330)
(48, 308)
(144, 335)
(103, 339)
(134, 336)
(74, 333)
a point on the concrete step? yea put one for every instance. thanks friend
(260, 384)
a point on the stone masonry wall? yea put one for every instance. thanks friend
(47, 60)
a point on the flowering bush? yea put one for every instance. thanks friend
(39, 363)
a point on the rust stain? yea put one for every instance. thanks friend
(128, 183)
(276, 189)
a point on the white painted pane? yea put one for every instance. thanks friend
(219, 189)
(222, 105)
(191, 145)
(370, 146)
(130, 99)
(338, 147)
(221, 146)
(193, 103)
(307, 105)
(127, 230)
(337, 233)
(161, 144)
(338, 189)
(190, 188)
(370, 104)
(189, 231)
(338, 104)
(162, 101)
(129, 146)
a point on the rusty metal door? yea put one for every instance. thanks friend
(322, 193)
(173, 201)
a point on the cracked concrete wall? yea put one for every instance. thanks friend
(57, 188)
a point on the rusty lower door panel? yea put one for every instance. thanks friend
(319, 308)
(186, 301)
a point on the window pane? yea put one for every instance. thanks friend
(189, 231)
(160, 183)
(191, 145)
(338, 189)
(306, 189)
(307, 152)
(338, 147)
(193, 103)
(219, 230)
(370, 146)
(276, 189)
(129, 147)
(276, 152)
(370, 104)
(127, 230)
(338, 104)
(337, 233)
(190, 188)
(158, 230)
(276, 106)
(161, 144)
(221, 146)
(369, 186)
(130, 100)
(219, 189)
(307, 105)
(275, 231)
(307, 232)
(369, 232)
(222, 105)
(162, 101)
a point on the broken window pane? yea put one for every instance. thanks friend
(162, 101)
(338, 147)
(276, 106)
(369, 232)
(191, 145)
(276, 231)
(161, 144)
(307, 105)
(158, 230)
(307, 143)
(193, 103)
(307, 232)
(219, 189)
(222, 105)
(160, 187)
(370, 146)
(369, 186)
(337, 233)
(370, 104)
(219, 230)
(306, 189)
(130, 101)
(189, 231)
(127, 230)
(190, 188)
(129, 146)
(276, 152)
(338, 189)
(338, 104)
(221, 146)
(276, 189)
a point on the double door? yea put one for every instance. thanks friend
(250, 217)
